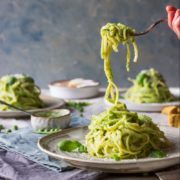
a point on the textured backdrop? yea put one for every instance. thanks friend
(57, 39)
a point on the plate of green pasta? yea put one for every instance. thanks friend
(149, 92)
(149, 86)
(113, 149)
(21, 91)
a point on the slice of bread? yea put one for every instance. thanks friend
(173, 113)
(174, 120)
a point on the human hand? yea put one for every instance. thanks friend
(174, 19)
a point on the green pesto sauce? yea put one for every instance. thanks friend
(50, 114)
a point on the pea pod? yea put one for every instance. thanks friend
(47, 130)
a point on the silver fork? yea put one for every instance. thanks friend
(150, 28)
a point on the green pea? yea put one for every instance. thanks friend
(46, 130)
(15, 127)
(8, 131)
(42, 130)
(1, 127)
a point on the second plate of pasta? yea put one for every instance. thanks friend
(50, 103)
(149, 107)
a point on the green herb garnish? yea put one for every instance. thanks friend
(157, 154)
(141, 78)
(72, 146)
(79, 106)
(11, 80)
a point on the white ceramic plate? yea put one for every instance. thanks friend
(146, 107)
(51, 103)
(149, 107)
(48, 144)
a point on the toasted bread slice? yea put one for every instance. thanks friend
(174, 120)
(170, 110)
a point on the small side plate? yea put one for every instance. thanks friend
(48, 144)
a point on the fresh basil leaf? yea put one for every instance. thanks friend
(157, 154)
(72, 146)
(68, 145)
(141, 78)
(77, 105)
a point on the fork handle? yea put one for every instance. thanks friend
(14, 107)
(150, 28)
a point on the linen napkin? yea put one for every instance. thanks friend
(24, 141)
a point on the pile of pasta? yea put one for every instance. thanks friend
(112, 35)
(121, 134)
(20, 90)
(149, 87)
(118, 133)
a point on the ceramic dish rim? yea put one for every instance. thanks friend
(52, 84)
(57, 103)
(175, 103)
(128, 161)
(67, 114)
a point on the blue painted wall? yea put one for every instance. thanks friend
(57, 39)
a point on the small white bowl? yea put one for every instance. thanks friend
(73, 93)
(62, 121)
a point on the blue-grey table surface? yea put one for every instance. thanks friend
(16, 167)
